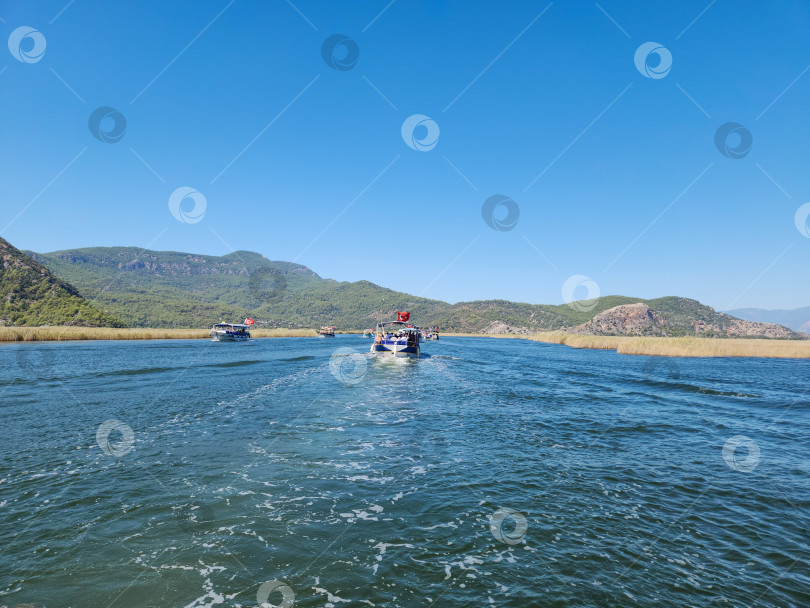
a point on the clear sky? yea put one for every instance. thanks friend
(297, 151)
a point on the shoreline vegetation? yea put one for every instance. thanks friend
(625, 345)
(686, 346)
(62, 333)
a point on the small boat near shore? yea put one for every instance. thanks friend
(430, 333)
(326, 332)
(230, 332)
(397, 339)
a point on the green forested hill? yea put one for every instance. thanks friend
(147, 288)
(31, 295)
(171, 289)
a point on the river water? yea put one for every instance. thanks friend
(491, 472)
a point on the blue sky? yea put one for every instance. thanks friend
(616, 175)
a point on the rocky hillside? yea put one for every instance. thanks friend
(626, 320)
(31, 295)
(641, 320)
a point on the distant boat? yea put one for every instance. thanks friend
(326, 332)
(368, 333)
(230, 332)
(397, 339)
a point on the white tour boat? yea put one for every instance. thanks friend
(230, 332)
(397, 339)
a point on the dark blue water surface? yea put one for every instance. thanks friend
(492, 472)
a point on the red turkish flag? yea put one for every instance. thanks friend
(403, 316)
(249, 321)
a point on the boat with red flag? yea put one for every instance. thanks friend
(326, 332)
(231, 332)
(397, 338)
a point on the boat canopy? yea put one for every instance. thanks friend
(401, 323)
(236, 325)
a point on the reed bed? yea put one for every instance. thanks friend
(626, 345)
(60, 333)
(682, 347)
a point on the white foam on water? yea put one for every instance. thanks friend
(360, 514)
(380, 480)
(332, 599)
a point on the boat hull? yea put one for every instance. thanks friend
(228, 337)
(393, 349)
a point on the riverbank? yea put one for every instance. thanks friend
(680, 347)
(625, 345)
(61, 333)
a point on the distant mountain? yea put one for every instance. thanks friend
(797, 319)
(640, 320)
(31, 295)
(172, 289)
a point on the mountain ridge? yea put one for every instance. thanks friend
(797, 319)
(148, 288)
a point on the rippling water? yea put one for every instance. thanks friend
(492, 472)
